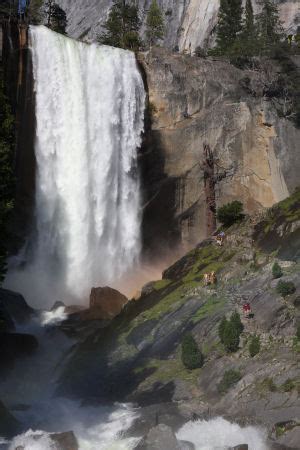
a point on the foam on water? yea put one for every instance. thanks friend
(219, 434)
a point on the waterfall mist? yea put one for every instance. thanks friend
(89, 119)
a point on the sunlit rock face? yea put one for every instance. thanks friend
(196, 101)
(189, 23)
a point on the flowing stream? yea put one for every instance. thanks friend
(90, 104)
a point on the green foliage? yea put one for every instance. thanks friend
(236, 321)
(269, 27)
(298, 332)
(56, 17)
(230, 378)
(285, 288)
(155, 27)
(268, 384)
(200, 52)
(6, 175)
(230, 331)
(230, 213)
(276, 270)
(288, 385)
(221, 329)
(191, 355)
(254, 346)
(122, 27)
(35, 12)
(229, 24)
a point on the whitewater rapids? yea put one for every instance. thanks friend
(89, 120)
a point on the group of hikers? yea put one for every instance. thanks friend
(210, 278)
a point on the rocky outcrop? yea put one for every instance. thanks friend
(9, 426)
(105, 303)
(14, 307)
(188, 24)
(195, 101)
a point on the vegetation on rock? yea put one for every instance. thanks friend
(254, 346)
(191, 355)
(230, 213)
(155, 27)
(285, 288)
(276, 270)
(230, 378)
(229, 332)
(122, 26)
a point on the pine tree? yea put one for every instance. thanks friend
(155, 24)
(248, 25)
(229, 24)
(270, 31)
(35, 12)
(191, 356)
(247, 42)
(56, 17)
(122, 26)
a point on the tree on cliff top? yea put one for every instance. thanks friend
(229, 24)
(269, 27)
(155, 24)
(56, 17)
(122, 26)
(35, 12)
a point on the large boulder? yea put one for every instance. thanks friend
(14, 306)
(105, 303)
(65, 441)
(162, 437)
(14, 345)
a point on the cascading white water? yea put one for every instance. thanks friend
(89, 114)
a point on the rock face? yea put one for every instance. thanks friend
(106, 303)
(189, 23)
(193, 101)
(9, 426)
(14, 306)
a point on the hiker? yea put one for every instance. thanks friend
(220, 238)
(247, 310)
(210, 278)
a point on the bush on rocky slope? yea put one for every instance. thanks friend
(254, 346)
(276, 270)
(285, 288)
(230, 378)
(191, 355)
(230, 213)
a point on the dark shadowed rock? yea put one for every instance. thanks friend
(14, 305)
(240, 447)
(14, 345)
(105, 303)
(66, 441)
(9, 426)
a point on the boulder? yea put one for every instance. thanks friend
(13, 305)
(105, 303)
(161, 437)
(9, 426)
(65, 441)
(14, 345)
(240, 447)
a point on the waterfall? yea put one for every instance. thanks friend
(89, 120)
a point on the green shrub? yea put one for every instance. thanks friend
(276, 270)
(221, 329)
(230, 213)
(236, 321)
(285, 288)
(230, 331)
(288, 385)
(191, 356)
(230, 378)
(268, 384)
(254, 346)
(298, 332)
